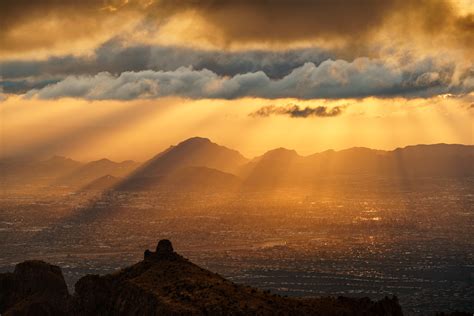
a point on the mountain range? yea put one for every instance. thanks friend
(199, 163)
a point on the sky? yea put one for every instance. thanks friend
(124, 79)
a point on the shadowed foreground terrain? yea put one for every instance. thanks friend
(164, 283)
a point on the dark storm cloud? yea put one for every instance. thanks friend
(286, 21)
(23, 86)
(238, 21)
(289, 20)
(67, 20)
(296, 111)
(330, 79)
(13, 13)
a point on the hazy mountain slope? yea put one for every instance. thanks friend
(193, 152)
(187, 178)
(434, 160)
(276, 167)
(279, 167)
(284, 167)
(97, 169)
(102, 183)
(33, 171)
(62, 171)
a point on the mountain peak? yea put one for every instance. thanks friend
(195, 140)
(103, 161)
(193, 152)
(58, 158)
(280, 153)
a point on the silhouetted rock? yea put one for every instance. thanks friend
(164, 247)
(164, 251)
(164, 283)
(34, 288)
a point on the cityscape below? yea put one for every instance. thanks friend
(357, 230)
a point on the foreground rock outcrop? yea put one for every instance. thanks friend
(34, 288)
(164, 283)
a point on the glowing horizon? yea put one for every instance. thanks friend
(89, 130)
(90, 80)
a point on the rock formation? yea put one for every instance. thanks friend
(164, 283)
(34, 288)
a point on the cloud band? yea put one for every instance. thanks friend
(331, 79)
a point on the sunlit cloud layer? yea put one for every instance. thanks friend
(330, 79)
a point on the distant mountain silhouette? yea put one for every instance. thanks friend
(99, 168)
(59, 170)
(270, 168)
(284, 167)
(164, 283)
(198, 162)
(193, 152)
(34, 171)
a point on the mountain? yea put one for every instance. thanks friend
(97, 169)
(199, 162)
(102, 183)
(273, 168)
(193, 152)
(34, 171)
(282, 167)
(59, 170)
(411, 161)
(187, 178)
(434, 160)
(164, 283)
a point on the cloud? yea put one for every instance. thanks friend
(24, 85)
(290, 20)
(115, 57)
(28, 26)
(297, 111)
(57, 25)
(245, 20)
(330, 79)
(3, 97)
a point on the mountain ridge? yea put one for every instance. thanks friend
(163, 283)
(277, 167)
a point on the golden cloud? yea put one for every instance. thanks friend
(30, 26)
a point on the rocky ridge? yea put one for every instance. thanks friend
(164, 283)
